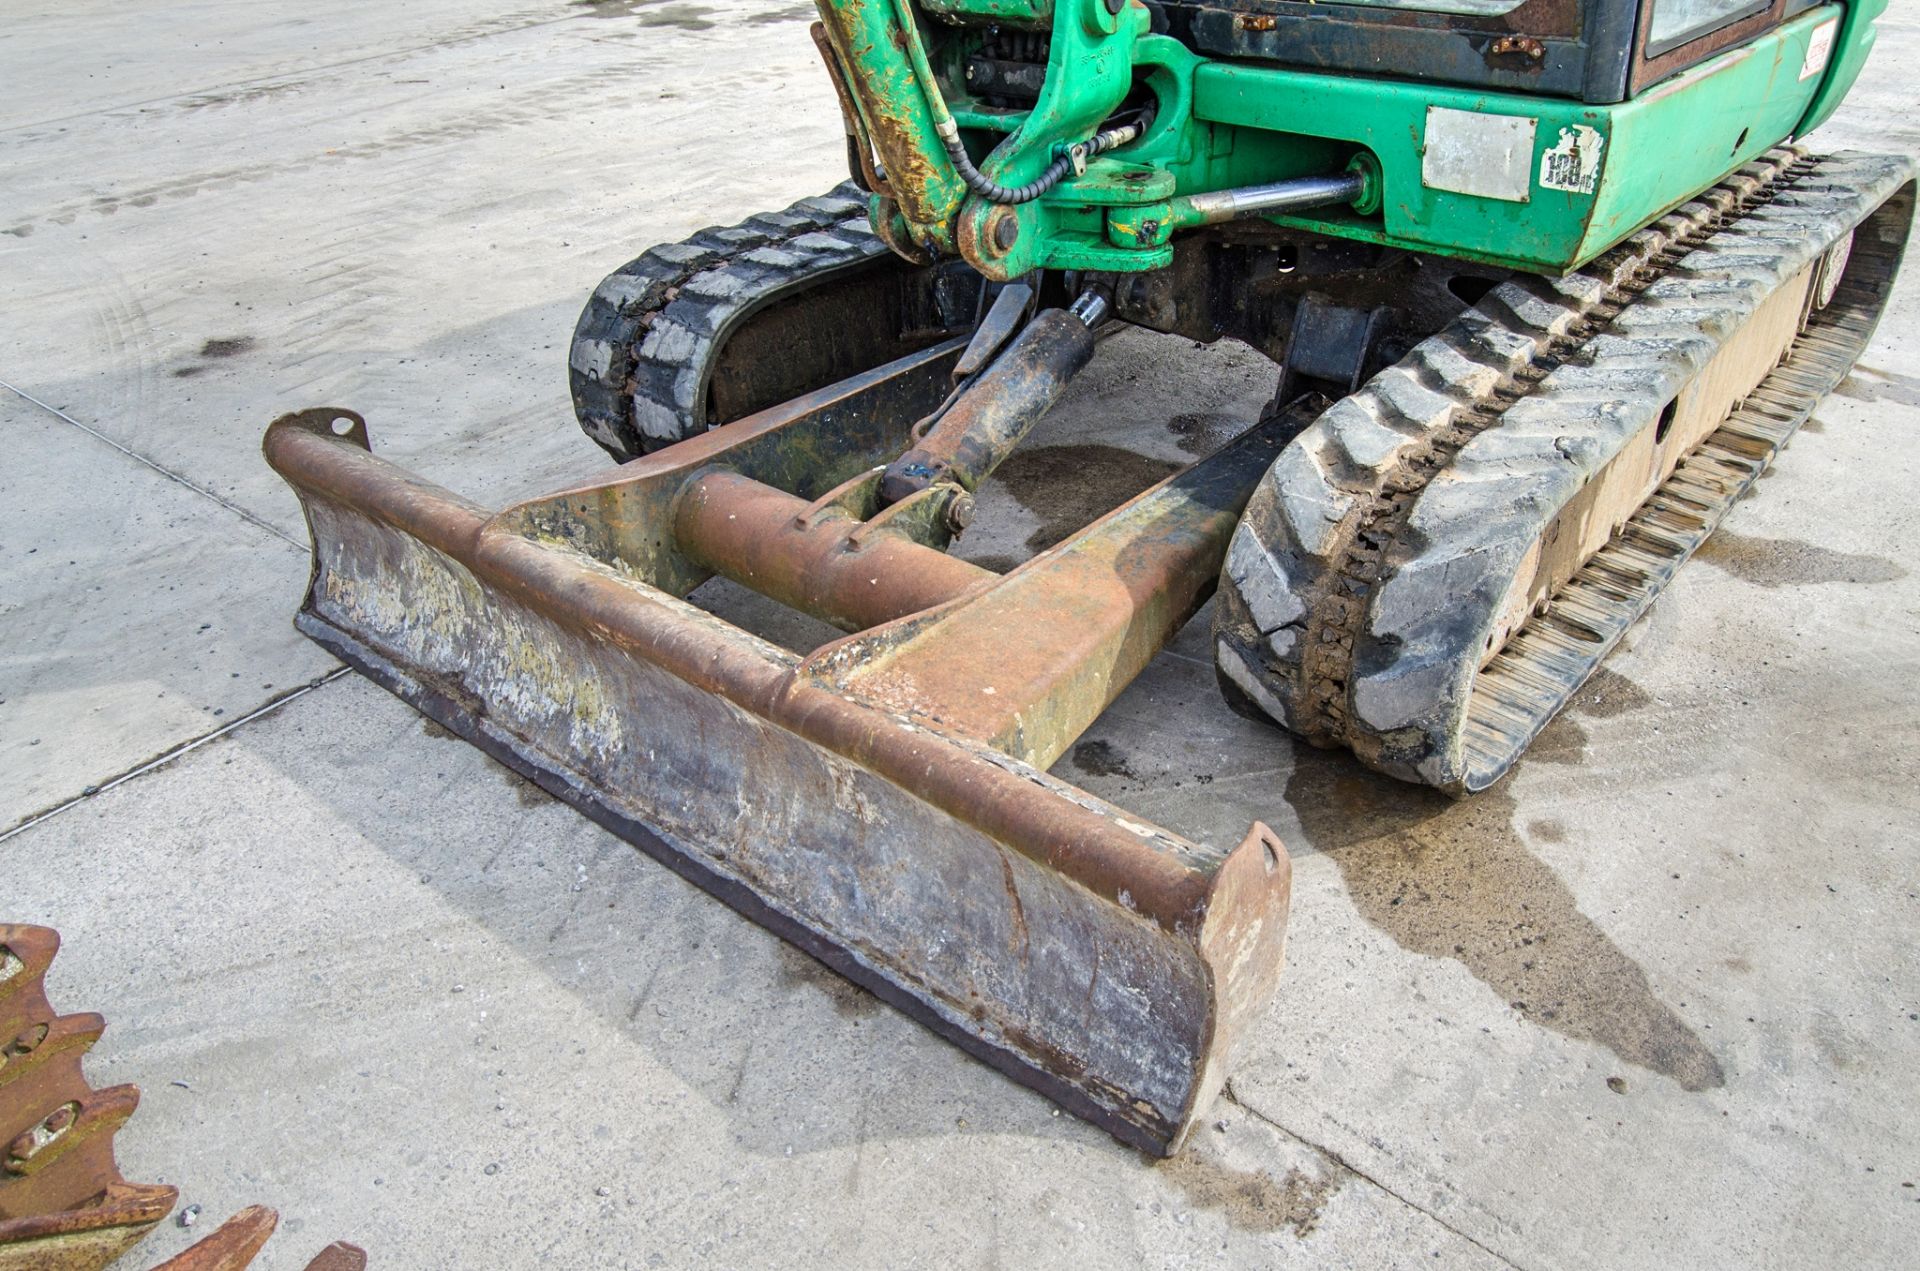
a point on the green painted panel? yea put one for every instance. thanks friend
(1680, 137)
(1389, 119)
(1655, 152)
(1856, 37)
(1015, 12)
(1532, 182)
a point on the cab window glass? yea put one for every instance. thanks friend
(1674, 22)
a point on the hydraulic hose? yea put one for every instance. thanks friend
(1071, 161)
(922, 69)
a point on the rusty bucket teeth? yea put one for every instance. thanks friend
(234, 1243)
(63, 1203)
(230, 1246)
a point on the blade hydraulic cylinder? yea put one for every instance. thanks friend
(990, 417)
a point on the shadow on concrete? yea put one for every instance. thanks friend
(794, 1057)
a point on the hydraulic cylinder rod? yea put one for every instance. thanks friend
(1292, 195)
(983, 425)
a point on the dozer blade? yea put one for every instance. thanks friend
(1097, 958)
(1444, 556)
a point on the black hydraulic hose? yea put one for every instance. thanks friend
(992, 191)
(1073, 160)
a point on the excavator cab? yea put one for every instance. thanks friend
(1595, 51)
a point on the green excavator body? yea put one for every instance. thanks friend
(1476, 144)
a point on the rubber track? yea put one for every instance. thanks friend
(1346, 588)
(646, 342)
(1545, 663)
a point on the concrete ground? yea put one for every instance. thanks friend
(1652, 1002)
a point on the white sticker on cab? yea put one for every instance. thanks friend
(1819, 49)
(1572, 164)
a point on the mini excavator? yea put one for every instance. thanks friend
(1546, 285)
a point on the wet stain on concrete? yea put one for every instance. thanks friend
(1455, 880)
(529, 794)
(1102, 759)
(1562, 741)
(651, 13)
(1547, 831)
(1253, 1200)
(1606, 694)
(232, 346)
(1203, 432)
(798, 969)
(1786, 562)
(1069, 486)
(20, 231)
(1871, 384)
(1836, 1047)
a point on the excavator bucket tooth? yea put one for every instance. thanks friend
(63, 1204)
(1091, 955)
(233, 1245)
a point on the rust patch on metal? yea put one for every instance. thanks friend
(1525, 45)
(1091, 614)
(231, 1246)
(859, 142)
(981, 427)
(765, 539)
